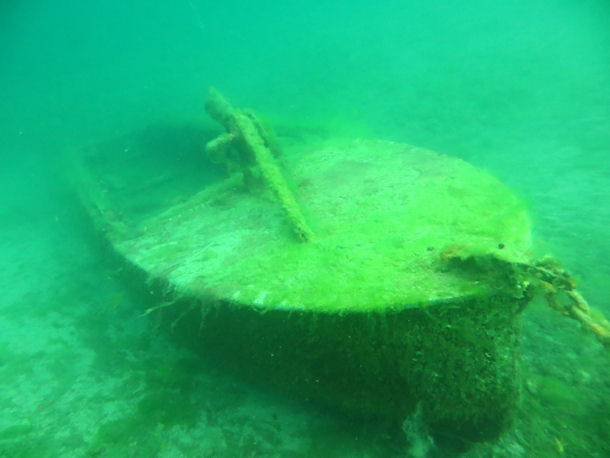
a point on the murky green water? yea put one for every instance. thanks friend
(520, 88)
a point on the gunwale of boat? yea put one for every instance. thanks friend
(383, 213)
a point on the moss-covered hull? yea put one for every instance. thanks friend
(374, 316)
(458, 363)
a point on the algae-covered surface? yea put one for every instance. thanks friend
(382, 213)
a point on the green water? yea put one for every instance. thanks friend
(520, 88)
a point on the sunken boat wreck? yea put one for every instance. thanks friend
(375, 277)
